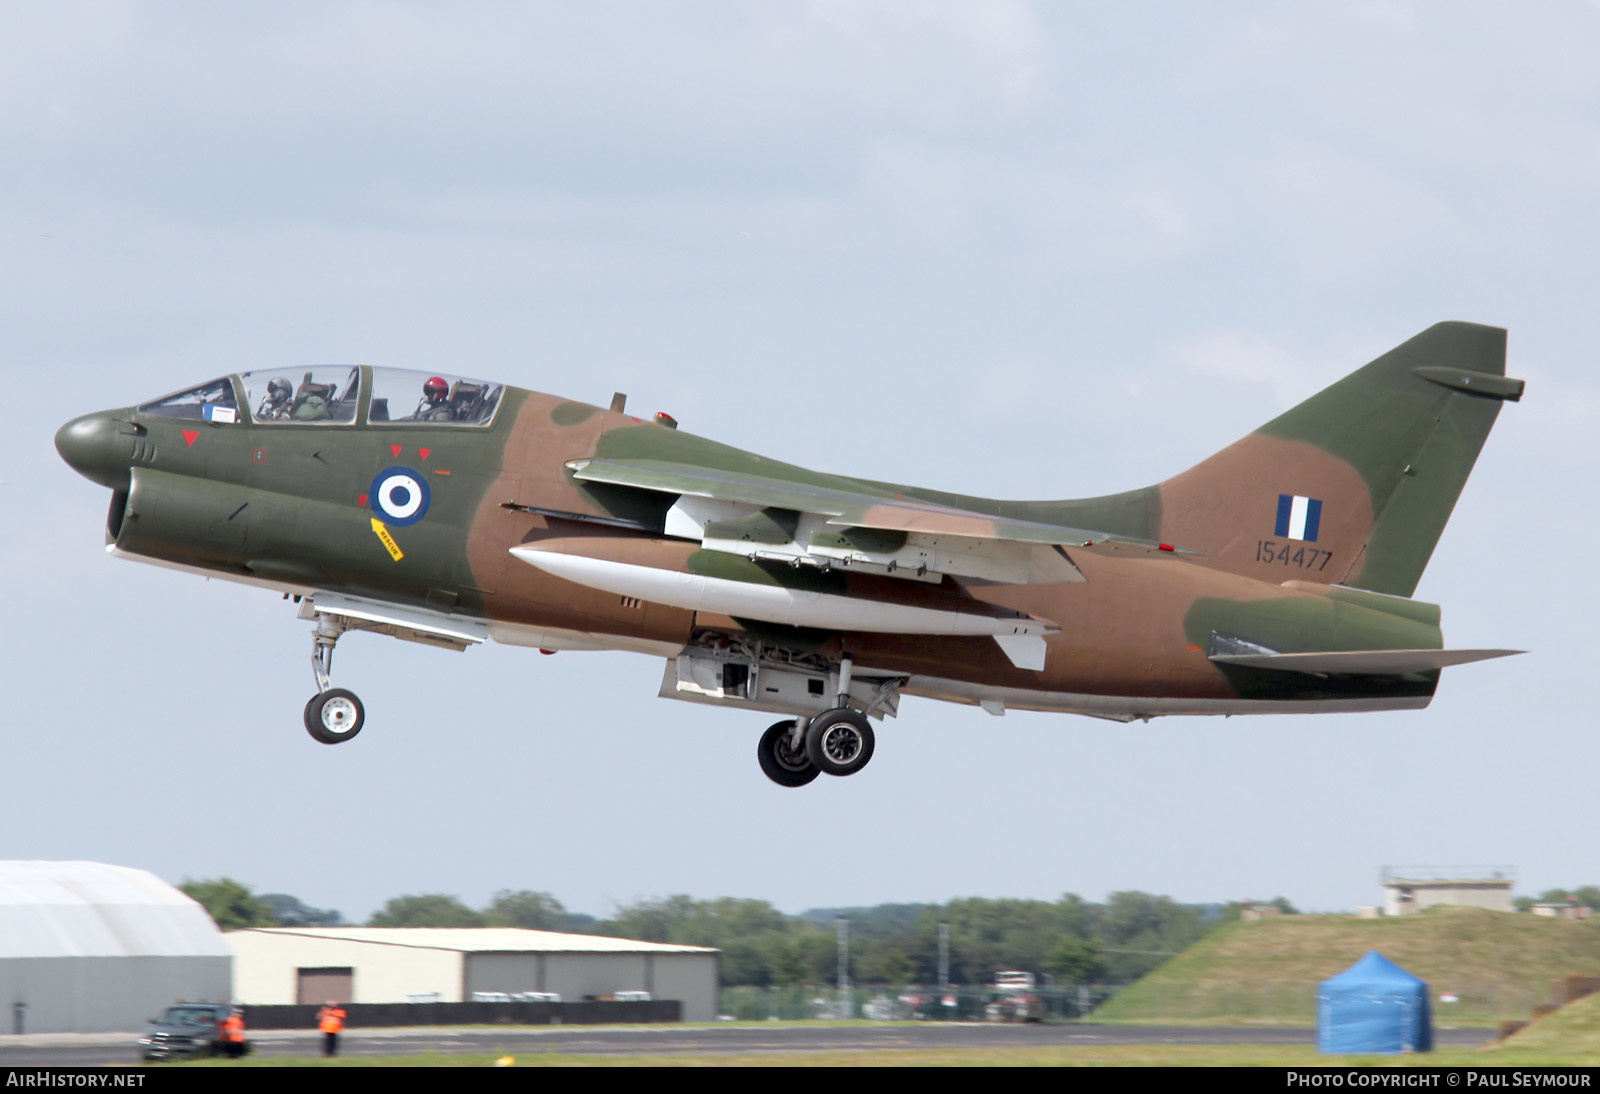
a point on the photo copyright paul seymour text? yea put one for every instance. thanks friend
(1463, 1078)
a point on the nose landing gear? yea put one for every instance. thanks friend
(334, 715)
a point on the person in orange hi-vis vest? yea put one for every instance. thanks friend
(330, 1020)
(233, 1033)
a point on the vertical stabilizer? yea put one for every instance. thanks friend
(1355, 484)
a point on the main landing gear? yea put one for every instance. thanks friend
(334, 715)
(836, 742)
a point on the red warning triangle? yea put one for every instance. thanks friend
(395, 448)
(423, 452)
(189, 437)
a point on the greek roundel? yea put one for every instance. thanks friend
(399, 496)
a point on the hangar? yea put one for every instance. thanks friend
(91, 948)
(278, 965)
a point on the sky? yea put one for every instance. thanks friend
(1000, 248)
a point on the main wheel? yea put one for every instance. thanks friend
(783, 764)
(334, 716)
(839, 742)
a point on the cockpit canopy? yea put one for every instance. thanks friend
(324, 393)
(403, 397)
(212, 402)
(335, 395)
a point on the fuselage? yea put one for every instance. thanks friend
(362, 497)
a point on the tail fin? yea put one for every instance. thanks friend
(1355, 484)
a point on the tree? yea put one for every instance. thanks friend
(1075, 961)
(887, 963)
(230, 905)
(534, 911)
(290, 912)
(684, 921)
(426, 910)
(789, 965)
(1587, 895)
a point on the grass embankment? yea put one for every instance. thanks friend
(1499, 963)
(1573, 1026)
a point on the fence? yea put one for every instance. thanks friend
(954, 1004)
(363, 1015)
(1292, 1002)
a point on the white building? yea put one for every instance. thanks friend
(1410, 889)
(88, 948)
(276, 965)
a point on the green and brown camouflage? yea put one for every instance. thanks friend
(1273, 576)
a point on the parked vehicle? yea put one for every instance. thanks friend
(187, 1029)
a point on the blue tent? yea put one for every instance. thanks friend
(1374, 1006)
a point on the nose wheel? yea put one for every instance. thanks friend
(334, 715)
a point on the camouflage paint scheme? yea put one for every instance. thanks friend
(1142, 591)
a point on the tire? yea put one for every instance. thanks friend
(839, 742)
(334, 716)
(779, 762)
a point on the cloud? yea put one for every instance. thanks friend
(1339, 212)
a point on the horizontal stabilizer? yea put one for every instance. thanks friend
(1360, 662)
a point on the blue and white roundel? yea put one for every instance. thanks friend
(400, 496)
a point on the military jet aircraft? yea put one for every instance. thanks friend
(1273, 577)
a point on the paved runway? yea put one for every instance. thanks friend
(108, 1049)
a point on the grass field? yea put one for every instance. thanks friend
(1500, 964)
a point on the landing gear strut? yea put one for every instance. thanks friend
(839, 741)
(334, 715)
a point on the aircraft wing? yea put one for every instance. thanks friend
(1361, 662)
(763, 517)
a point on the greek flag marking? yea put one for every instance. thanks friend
(1299, 517)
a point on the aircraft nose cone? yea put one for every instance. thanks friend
(94, 447)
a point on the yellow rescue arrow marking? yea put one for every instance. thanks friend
(388, 541)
